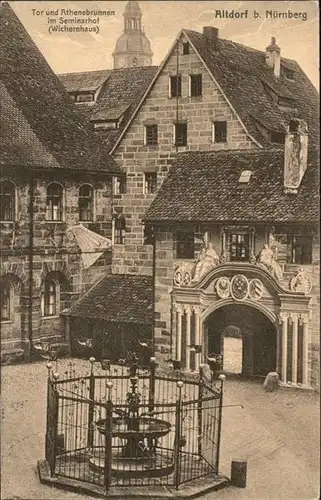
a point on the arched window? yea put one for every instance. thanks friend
(86, 203)
(6, 300)
(8, 201)
(119, 227)
(54, 202)
(51, 297)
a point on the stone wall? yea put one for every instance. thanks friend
(53, 252)
(136, 158)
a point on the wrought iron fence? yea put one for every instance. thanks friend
(127, 426)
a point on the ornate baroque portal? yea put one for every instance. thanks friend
(200, 294)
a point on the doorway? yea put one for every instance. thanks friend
(244, 336)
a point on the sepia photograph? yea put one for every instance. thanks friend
(159, 231)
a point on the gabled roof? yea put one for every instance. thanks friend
(40, 97)
(118, 298)
(121, 91)
(205, 187)
(251, 88)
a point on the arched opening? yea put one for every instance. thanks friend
(54, 202)
(86, 203)
(253, 352)
(8, 201)
(54, 297)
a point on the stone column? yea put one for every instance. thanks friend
(197, 312)
(188, 337)
(305, 354)
(179, 332)
(294, 348)
(284, 318)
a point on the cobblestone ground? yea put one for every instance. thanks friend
(278, 435)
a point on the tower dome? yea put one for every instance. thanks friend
(132, 47)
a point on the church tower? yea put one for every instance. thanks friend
(132, 47)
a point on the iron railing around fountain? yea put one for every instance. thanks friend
(127, 426)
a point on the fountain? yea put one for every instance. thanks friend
(139, 434)
(121, 427)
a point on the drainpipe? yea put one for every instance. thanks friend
(153, 290)
(177, 98)
(30, 274)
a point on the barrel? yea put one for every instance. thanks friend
(238, 473)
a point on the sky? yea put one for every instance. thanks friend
(163, 19)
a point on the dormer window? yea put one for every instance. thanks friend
(185, 48)
(85, 97)
(277, 137)
(106, 125)
(288, 73)
(286, 102)
(245, 177)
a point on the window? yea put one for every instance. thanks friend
(245, 177)
(294, 126)
(54, 202)
(119, 184)
(286, 102)
(185, 245)
(151, 135)
(239, 247)
(150, 182)
(135, 61)
(301, 249)
(119, 227)
(8, 201)
(175, 86)
(219, 131)
(148, 235)
(180, 134)
(51, 297)
(288, 73)
(277, 137)
(185, 48)
(85, 97)
(196, 85)
(6, 300)
(86, 203)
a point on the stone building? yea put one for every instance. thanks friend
(235, 174)
(132, 47)
(56, 197)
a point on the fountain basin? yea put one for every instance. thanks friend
(144, 427)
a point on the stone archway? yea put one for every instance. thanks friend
(258, 337)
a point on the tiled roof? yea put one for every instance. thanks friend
(253, 89)
(205, 187)
(84, 81)
(120, 298)
(19, 145)
(121, 91)
(44, 103)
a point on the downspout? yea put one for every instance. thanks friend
(177, 98)
(153, 288)
(30, 274)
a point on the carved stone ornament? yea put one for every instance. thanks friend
(182, 276)
(300, 282)
(239, 287)
(223, 287)
(256, 289)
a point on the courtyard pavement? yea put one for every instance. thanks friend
(277, 433)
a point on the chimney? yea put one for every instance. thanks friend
(295, 155)
(211, 36)
(273, 57)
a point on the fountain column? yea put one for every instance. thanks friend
(179, 313)
(197, 313)
(294, 348)
(305, 354)
(188, 337)
(284, 360)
